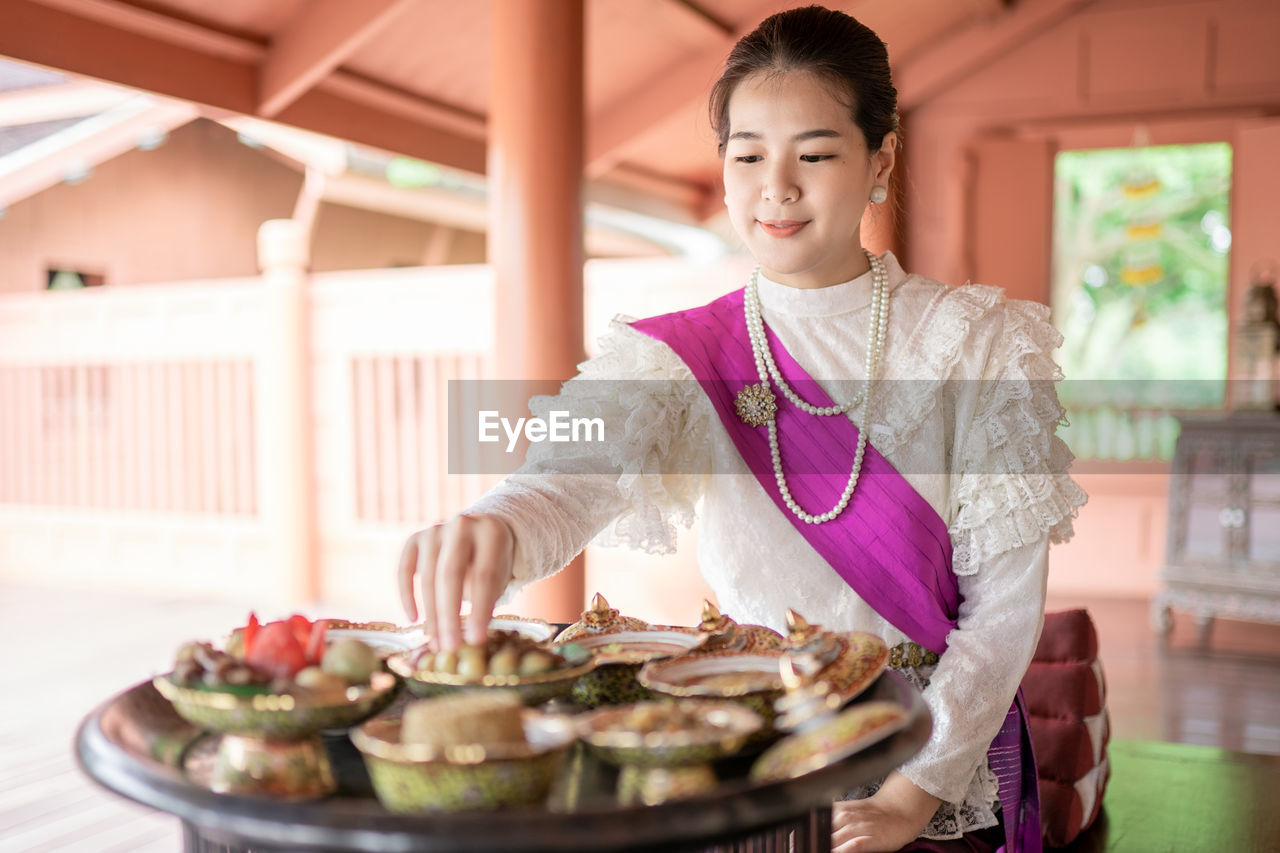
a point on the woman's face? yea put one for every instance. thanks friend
(797, 177)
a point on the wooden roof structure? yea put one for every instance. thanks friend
(413, 76)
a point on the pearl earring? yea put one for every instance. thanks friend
(878, 194)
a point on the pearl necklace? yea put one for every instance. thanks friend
(757, 405)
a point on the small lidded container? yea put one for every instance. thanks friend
(724, 634)
(600, 618)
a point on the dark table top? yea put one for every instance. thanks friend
(582, 814)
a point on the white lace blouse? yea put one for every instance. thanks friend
(964, 420)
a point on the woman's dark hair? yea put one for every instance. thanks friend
(832, 45)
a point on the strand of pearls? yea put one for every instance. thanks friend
(767, 369)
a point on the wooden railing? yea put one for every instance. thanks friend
(165, 436)
(132, 418)
(1111, 433)
(136, 399)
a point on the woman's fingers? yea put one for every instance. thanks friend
(406, 569)
(842, 835)
(415, 571)
(866, 826)
(490, 573)
(850, 841)
(852, 827)
(451, 571)
(468, 554)
(428, 555)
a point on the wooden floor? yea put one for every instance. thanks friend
(65, 652)
(1223, 690)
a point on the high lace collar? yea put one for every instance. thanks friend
(852, 295)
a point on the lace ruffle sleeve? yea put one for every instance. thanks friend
(1012, 487)
(634, 485)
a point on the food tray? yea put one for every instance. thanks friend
(115, 745)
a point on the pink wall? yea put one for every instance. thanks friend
(979, 178)
(349, 238)
(1164, 71)
(190, 209)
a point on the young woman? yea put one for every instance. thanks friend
(872, 448)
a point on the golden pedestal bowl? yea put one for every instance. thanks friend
(271, 743)
(533, 689)
(665, 748)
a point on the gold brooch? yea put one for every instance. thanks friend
(756, 404)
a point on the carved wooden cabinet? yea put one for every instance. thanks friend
(1223, 554)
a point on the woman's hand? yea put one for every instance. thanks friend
(469, 556)
(888, 820)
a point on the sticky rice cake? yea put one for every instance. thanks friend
(473, 716)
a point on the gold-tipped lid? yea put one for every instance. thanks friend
(600, 613)
(713, 620)
(799, 630)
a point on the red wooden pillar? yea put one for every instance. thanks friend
(535, 215)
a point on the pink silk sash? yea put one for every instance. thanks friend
(889, 545)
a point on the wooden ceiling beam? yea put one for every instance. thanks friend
(151, 52)
(326, 112)
(935, 69)
(48, 162)
(321, 35)
(698, 15)
(661, 96)
(49, 35)
(431, 113)
(132, 46)
(175, 31)
(611, 129)
(58, 101)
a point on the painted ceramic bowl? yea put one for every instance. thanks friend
(857, 662)
(533, 689)
(256, 712)
(383, 637)
(538, 630)
(833, 739)
(666, 733)
(618, 656)
(409, 777)
(750, 679)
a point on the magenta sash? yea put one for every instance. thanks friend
(890, 545)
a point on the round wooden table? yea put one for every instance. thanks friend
(135, 745)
